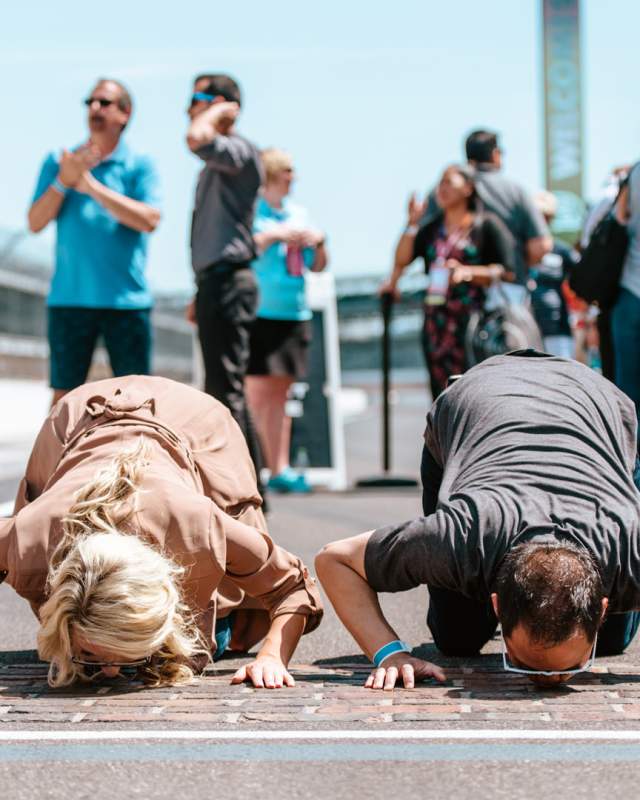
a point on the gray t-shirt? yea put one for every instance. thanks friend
(532, 448)
(221, 228)
(512, 204)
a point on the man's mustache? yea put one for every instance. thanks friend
(96, 118)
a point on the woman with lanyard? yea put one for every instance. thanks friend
(138, 539)
(464, 251)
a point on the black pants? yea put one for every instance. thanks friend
(607, 356)
(226, 305)
(461, 626)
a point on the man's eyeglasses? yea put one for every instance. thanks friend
(126, 667)
(201, 97)
(509, 667)
(104, 103)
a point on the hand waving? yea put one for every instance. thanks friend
(405, 667)
(415, 209)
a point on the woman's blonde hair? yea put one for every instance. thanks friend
(274, 161)
(112, 589)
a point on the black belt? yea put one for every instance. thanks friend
(221, 267)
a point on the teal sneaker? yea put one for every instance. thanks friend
(289, 481)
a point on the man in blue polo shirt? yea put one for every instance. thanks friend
(104, 199)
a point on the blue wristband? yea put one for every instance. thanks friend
(59, 186)
(389, 649)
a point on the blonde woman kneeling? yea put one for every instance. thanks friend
(138, 539)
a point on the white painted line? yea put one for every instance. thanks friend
(404, 734)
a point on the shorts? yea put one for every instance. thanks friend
(279, 347)
(73, 334)
(224, 630)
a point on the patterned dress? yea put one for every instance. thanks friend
(486, 242)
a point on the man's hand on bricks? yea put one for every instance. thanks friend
(404, 667)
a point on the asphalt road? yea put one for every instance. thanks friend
(327, 701)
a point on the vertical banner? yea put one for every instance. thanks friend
(563, 111)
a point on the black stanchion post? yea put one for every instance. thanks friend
(386, 304)
(386, 480)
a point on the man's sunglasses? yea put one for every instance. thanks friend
(91, 668)
(104, 103)
(201, 97)
(509, 667)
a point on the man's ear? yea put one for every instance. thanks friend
(605, 606)
(494, 603)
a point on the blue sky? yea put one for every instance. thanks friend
(371, 98)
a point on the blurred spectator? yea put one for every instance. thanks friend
(464, 249)
(603, 204)
(287, 247)
(625, 317)
(598, 210)
(104, 198)
(545, 282)
(222, 245)
(506, 199)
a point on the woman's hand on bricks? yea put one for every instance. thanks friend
(403, 667)
(265, 673)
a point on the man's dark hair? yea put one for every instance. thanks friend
(479, 146)
(551, 590)
(221, 86)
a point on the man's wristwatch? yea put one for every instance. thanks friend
(411, 230)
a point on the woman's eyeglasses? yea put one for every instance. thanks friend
(92, 668)
(104, 103)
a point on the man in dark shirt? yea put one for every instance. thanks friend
(504, 198)
(222, 245)
(531, 519)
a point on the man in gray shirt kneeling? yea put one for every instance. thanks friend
(531, 520)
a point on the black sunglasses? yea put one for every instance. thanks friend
(127, 668)
(104, 103)
(201, 97)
